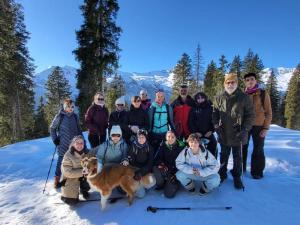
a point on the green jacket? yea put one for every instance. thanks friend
(230, 111)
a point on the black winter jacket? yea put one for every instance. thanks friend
(200, 118)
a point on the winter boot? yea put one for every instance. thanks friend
(85, 195)
(203, 189)
(57, 182)
(238, 184)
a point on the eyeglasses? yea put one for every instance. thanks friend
(100, 99)
(120, 105)
(230, 82)
(116, 135)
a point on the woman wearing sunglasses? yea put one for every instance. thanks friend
(64, 127)
(96, 120)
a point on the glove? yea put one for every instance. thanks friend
(242, 135)
(163, 169)
(137, 176)
(56, 141)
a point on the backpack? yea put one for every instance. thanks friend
(61, 117)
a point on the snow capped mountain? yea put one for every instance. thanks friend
(134, 82)
(283, 76)
(149, 81)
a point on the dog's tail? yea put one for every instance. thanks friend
(148, 181)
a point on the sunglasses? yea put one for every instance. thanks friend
(116, 135)
(71, 107)
(100, 99)
(120, 105)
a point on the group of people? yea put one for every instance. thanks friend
(174, 142)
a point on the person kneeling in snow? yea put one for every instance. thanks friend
(197, 163)
(73, 179)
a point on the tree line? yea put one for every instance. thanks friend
(98, 55)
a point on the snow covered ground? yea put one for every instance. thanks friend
(272, 200)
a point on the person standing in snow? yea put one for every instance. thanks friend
(145, 102)
(263, 117)
(233, 116)
(73, 180)
(165, 168)
(197, 163)
(136, 118)
(64, 127)
(181, 108)
(200, 121)
(118, 117)
(96, 120)
(160, 119)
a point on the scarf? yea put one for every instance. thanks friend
(250, 91)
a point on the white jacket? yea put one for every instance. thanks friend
(205, 162)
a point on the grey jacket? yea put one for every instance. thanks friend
(64, 126)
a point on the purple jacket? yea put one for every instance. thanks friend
(96, 119)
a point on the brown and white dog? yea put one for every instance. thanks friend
(111, 177)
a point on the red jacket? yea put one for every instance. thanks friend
(181, 113)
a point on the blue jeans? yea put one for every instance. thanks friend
(58, 166)
(211, 181)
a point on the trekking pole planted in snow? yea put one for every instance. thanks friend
(50, 168)
(241, 150)
(155, 209)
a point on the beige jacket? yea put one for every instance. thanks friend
(71, 171)
(263, 114)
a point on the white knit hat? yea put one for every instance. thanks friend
(115, 130)
(120, 101)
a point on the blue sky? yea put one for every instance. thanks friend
(157, 32)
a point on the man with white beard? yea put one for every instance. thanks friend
(233, 116)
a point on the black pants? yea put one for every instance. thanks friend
(96, 140)
(84, 185)
(212, 146)
(163, 181)
(237, 161)
(258, 160)
(156, 140)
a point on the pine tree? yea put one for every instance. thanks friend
(16, 72)
(58, 89)
(198, 69)
(252, 64)
(98, 48)
(208, 80)
(223, 65)
(115, 90)
(40, 122)
(292, 106)
(282, 119)
(272, 89)
(236, 67)
(182, 74)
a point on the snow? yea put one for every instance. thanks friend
(272, 200)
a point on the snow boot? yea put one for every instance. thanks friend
(238, 184)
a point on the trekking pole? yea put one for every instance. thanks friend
(155, 209)
(49, 169)
(241, 151)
